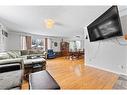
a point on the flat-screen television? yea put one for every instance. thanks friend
(106, 26)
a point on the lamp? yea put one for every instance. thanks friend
(49, 23)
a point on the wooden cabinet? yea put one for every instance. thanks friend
(64, 48)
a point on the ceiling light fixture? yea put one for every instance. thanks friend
(49, 23)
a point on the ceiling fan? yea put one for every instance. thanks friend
(50, 23)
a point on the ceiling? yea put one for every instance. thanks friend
(70, 20)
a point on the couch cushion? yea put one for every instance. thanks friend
(12, 54)
(4, 56)
(17, 53)
(23, 57)
(33, 52)
(36, 52)
(41, 52)
(36, 55)
(11, 61)
(24, 52)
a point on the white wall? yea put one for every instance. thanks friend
(58, 40)
(109, 55)
(14, 41)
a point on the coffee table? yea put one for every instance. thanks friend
(33, 65)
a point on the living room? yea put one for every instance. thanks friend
(51, 47)
(16, 43)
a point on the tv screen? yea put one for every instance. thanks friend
(106, 26)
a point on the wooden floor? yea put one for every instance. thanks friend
(75, 75)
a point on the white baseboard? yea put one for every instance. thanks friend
(106, 69)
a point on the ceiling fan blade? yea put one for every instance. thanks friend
(58, 23)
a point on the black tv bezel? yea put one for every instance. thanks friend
(95, 23)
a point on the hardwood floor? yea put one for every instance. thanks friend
(75, 75)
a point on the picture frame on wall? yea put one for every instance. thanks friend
(55, 44)
(4, 33)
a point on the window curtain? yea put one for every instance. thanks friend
(28, 42)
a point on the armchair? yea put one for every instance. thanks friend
(51, 54)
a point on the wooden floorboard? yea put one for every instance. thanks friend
(75, 75)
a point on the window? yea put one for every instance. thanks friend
(74, 45)
(37, 43)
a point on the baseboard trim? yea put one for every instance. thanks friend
(108, 70)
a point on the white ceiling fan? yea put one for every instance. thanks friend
(50, 23)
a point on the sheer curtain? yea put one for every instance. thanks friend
(23, 43)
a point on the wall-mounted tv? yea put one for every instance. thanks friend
(106, 26)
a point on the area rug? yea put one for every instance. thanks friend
(121, 83)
